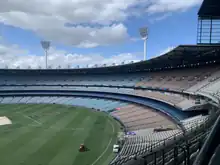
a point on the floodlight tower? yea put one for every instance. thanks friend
(45, 45)
(144, 35)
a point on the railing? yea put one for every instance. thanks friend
(100, 85)
(177, 154)
(209, 147)
(183, 141)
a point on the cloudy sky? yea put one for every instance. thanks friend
(88, 32)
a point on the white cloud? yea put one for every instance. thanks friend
(160, 17)
(170, 48)
(90, 22)
(13, 56)
(158, 6)
(53, 29)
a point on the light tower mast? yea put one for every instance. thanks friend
(45, 45)
(144, 36)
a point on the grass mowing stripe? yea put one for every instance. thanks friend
(93, 142)
(4, 106)
(53, 142)
(18, 121)
(12, 109)
(38, 106)
(31, 107)
(35, 144)
(25, 138)
(67, 153)
(33, 120)
(109, 157)
(107, 140)
(27, 107)
(16, 105)
(24, 134)
(71, 148)
(19, 110)
(57, 140)
(37, 115)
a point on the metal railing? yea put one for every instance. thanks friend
(182, 141)
(208, 150)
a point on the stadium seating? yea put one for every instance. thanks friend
(178, 79)
(167, 97)
(177, 87)
(99, 104)
(212, 88)
(194, 121)
(137, 117)
(155, 133)
(204, 80)
(213, 76)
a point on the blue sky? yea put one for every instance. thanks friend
(101, 32)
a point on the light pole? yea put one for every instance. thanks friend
(45, 45)
(144, 35)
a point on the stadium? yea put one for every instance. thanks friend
(162, 111)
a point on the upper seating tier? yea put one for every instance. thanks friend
(198, 79)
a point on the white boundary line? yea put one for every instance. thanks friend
(32, 119)
(29, 118)
(113, 130)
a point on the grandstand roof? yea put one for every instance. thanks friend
(180, 57)
(210, 8)
(188, 54)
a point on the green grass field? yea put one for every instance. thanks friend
(51, 135)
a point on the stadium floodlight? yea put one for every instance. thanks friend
(144, 35)
(45, 45)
